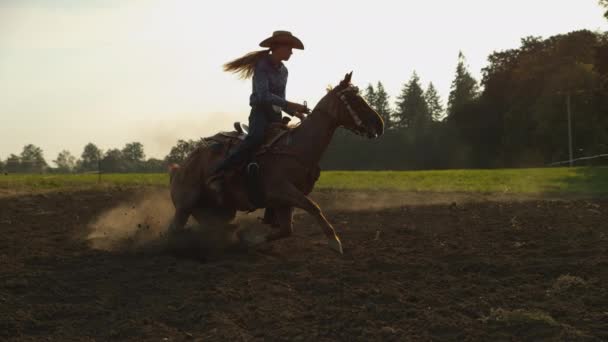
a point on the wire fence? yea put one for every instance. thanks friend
(573, 161)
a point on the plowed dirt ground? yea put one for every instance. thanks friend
(453, 268)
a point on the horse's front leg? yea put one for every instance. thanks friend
(286, 194)
(284, 219)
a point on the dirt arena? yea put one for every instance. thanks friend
(93, 265)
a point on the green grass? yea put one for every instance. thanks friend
(25, 182)
(527, 181)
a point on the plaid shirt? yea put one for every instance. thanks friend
(269, 83)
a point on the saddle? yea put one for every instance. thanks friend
(226, 141)
(273, 133)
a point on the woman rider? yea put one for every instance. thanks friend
(267, 99)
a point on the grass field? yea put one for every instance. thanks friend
(529, 181)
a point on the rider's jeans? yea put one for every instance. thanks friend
(259, 118)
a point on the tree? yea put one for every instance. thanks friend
(524, 101)
(113, 161)
(65, 162)
(464, 87)
(90, 157)
(32, 159)
(605, 4)
(133, 156)
(134, 152)
(412, 111)
(180, 152)
(433, 102)
(153, 165)
(382, 106)
(13, 164)
(1, 166)
(370, 95)
(378, 100)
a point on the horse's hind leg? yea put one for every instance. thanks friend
(183, 201)
(180, 218)
(216, 228)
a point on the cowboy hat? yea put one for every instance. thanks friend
(282, 38)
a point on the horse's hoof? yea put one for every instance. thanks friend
(335, 244)
(251, 238)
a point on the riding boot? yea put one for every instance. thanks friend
(257, 126)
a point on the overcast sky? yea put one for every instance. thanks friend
(112, 72)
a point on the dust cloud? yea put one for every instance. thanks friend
(141, 225)
(159, 136)
(133, 223)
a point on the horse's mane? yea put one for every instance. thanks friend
(294, 128)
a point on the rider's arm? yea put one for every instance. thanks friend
(288, 110)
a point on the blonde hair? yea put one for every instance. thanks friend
(245, 66)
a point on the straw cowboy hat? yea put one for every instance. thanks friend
(282, 38)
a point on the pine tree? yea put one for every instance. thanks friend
(411, 111)
(370, 95)
(433, 102)
(464, 87)
(378, 99)
(382, 106)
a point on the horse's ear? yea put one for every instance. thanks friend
(346, 81)
(347, 78)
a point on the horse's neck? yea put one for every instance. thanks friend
(314, 135)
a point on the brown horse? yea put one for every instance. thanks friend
(288, 170)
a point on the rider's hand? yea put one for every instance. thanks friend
(296, 107)
(305, 109)
(299, 116)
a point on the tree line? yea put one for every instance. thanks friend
(131, 158)
(515, 116)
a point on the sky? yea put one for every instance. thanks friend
(117, 71)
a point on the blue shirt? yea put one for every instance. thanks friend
(269, 83)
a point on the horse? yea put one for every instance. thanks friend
(288, 169)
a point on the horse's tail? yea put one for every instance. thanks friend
(172, 168)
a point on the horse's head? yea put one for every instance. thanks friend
(352, 111)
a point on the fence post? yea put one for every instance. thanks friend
(569, 130)
(98, 168)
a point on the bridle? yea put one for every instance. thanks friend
(342, 96)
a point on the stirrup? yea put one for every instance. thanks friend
(252, 168)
